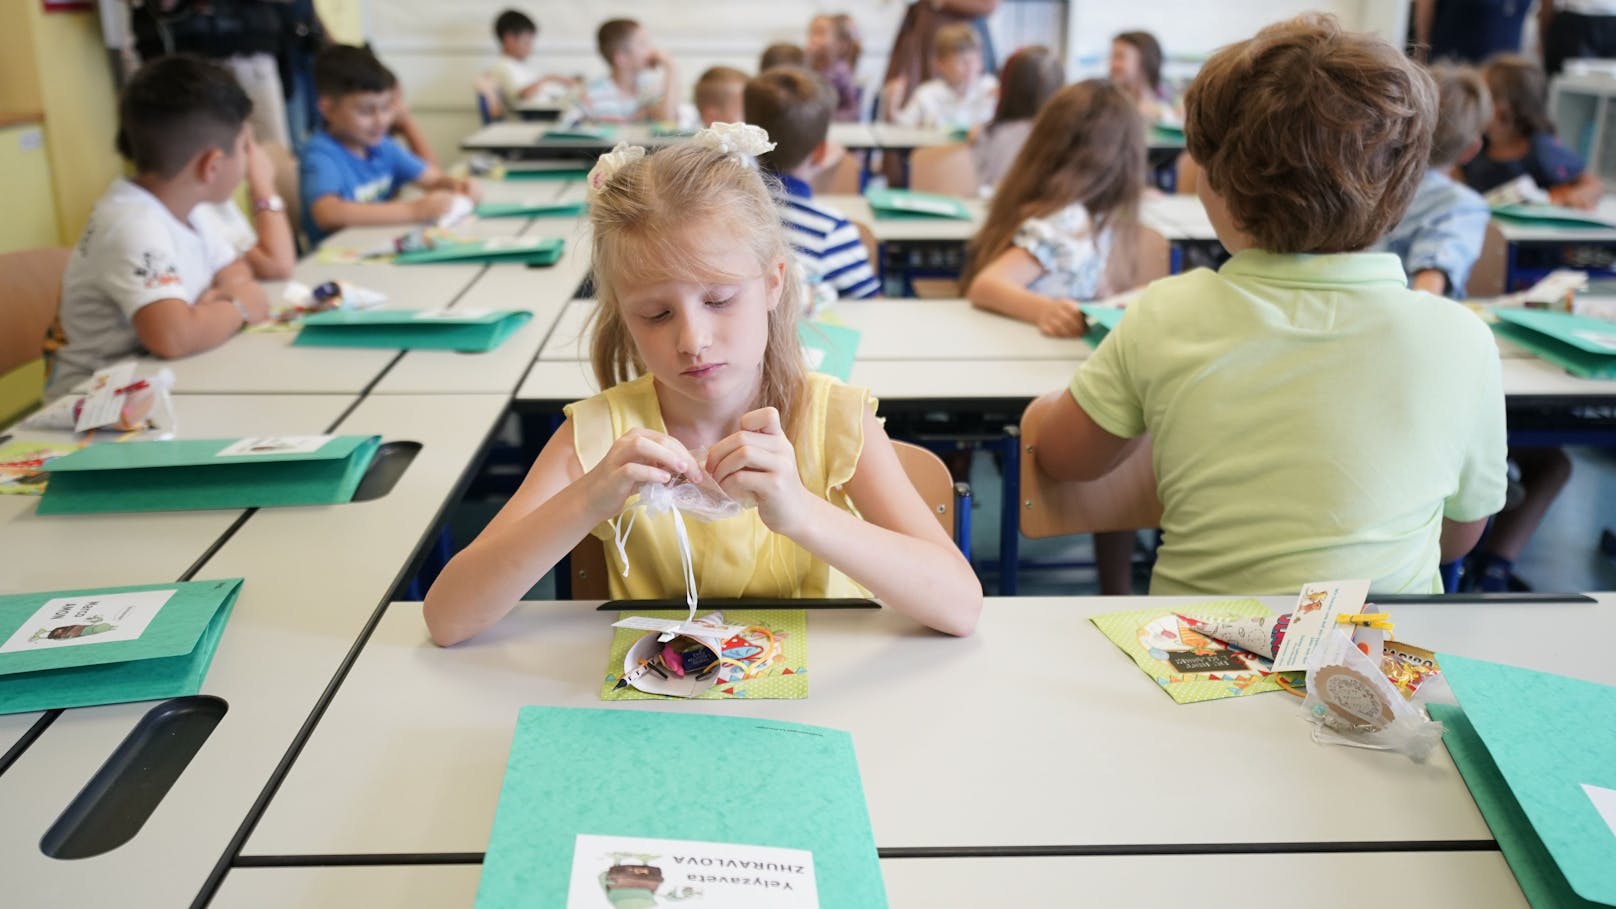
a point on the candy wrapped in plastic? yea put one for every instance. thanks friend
(1351, 703)
(301, 299)
(147, 405)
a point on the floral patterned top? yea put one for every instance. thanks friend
(1072, 256)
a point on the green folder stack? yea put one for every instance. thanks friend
(1585, 347)
(470, 330)
(193, 474)
(1101, 320)
(519, 250)
(1538, 752)
(530, 209)
(543, 170)
(901, 203)
(1527, 213)
(78, 648)
(632, 773)
(830, 347)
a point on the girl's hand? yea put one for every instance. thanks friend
(1062, 319)
(639, 456)
(758, 466)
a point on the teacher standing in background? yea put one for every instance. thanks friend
(910, 62)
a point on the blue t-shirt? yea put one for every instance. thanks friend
(1444, 229)
(1549, 162)
(328, 168)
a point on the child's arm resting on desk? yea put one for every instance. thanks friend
(1002, 287)
(897, 551)
(173, 328)
(557, 504)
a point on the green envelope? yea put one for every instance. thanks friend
(830, 347)
(901, 203)
(473, 330)
(1585, 347)
(1101, 320)
(1549, 216)
(1538, 752)
(192, 474)
(530, 209)
(632, 773)
(523, 250)
(169, 658)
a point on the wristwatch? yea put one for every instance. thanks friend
(273, 203)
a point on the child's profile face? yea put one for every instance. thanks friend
(519, 45)
(821, 40)
(704, 336)
(1124, 69)
(637, 52)
(960, 68)
(231, 168)
(361, 118)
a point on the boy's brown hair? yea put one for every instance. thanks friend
(955, 39)
(716, 84)
(613, 35)
(795, 107)
(1315, 137)
(1518, 85)
(1463, 109)
(782, 53)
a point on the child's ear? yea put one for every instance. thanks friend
(774, 282)
(1470, 151)
(820, 153)
(205, 166)
(326, 105)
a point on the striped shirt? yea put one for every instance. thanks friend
(827, 244)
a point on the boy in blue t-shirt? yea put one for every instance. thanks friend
(351, 170)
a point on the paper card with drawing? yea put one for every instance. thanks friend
(94, 619)
(611, 872)
(1315, 614)
(1187, 664)
(750, 653)
(274, 445)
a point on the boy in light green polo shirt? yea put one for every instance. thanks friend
(1311, 417)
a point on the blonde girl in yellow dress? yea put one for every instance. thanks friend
(695, 343)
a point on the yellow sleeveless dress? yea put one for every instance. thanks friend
(737, 556)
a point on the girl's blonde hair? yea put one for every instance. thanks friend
(643, 216)
(1087, 145)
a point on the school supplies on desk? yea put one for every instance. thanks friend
(531, 208)
(830, 347)
(600, 133)
(1104, 315)
(604, 808)
(519, 250)
(77, 648)
(760, 654)
(1538, 752)
(539, 170)
(1533, 214)
(1188, 665)
(194, 474)
(1585, 347)
(470, 330)
(902, 203)
(22, 465)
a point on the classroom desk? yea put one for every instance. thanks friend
(1473, 879)
(381, 237)
(532, 109)
(524, 190)
(528, 140)
(409, 757)
(314, 577)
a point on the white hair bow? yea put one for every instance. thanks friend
(741, 141)
(610, 163)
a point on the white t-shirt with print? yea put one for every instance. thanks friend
(935, 105)
(237, 231)
(133, 252)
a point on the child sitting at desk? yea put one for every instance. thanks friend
(155, 270)
(352, 170)
(833, 52)
(515, 80)
(266, 241)
(961, 97)
(1029, 79)
(695, 342)
(1303, 424)
(1049, 237)
(1520, 138)
(1136, 68)
(643, 85)
(794, 106)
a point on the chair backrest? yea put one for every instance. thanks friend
(33, 291)
(925, 470)
(872, 246)
(1187, 176)
(845, 179)
(1149, 257)
(288, 186)
(1489, 275)
(1124, 499)
(947, 169)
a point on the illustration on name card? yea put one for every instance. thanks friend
(277, 445)
(95, 619)
(620, 872)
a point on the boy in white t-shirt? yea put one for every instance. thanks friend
(515, 79)
(266, 241)
(643, 85)
(154, 269)
(962, 97)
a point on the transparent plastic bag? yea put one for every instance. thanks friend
(704, 501)
(1349, 702)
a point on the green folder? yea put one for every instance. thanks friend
(901, 203)
(635, 773)
(1549, 216)
(1165, 135)
(470, 330)
(530, 209)
(600, 133)
(544, 170)
(1101, 320)
(1585, 347)
(192, 474)
(168, 658)
(1536, 750)
(524, 250)
(830, 347)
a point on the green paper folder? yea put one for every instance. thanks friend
(192, 474)
(474, 331)
(1165, 135)
(602, 133)
(168, 659)
(901, 203)
(544, 170)
(523, 250)
(1101, 320)
(1549, 216)
(530, 209)
(1585, 347)
(830, 347)
(1535, 749)
(620, 773)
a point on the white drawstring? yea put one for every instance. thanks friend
(681, 535)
